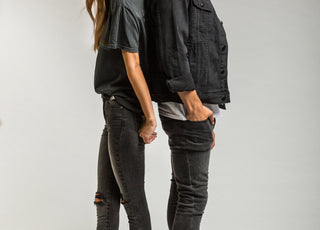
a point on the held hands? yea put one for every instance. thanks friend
(147, 131)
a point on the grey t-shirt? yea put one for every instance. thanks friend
(125, 29)
(178, 111)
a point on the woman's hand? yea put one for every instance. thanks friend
(140, 87)
(147, 131)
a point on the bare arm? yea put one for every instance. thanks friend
(140, 87)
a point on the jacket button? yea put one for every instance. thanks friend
(201, 4)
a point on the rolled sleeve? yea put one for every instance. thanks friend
(181, 83)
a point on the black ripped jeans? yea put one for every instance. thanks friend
(190, 144)
(121, 170)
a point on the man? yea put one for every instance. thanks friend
(188, 78)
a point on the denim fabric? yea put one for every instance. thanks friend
(190, 144)
(188, 44)
(121, 170)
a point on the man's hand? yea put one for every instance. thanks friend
(214, 140)
(195, 110)
(200, 114)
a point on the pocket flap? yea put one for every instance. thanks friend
(203, 4)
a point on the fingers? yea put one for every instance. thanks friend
(147, 139)
(209, 114)
(152, 138)
(214, 140)
(211, 118)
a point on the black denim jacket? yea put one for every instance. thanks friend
(188, 50)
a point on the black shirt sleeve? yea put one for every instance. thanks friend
(122, 29)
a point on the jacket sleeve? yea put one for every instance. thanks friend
(175, 24)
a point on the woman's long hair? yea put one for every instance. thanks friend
(99, 19)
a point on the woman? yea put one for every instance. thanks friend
(120, 38)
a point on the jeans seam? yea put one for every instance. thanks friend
(190, 179)
(116, 155)
(119, 166)
(108, 206)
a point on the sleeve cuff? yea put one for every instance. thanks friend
(120, 46)
(181, 83)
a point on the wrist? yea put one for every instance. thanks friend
(151, 120)
(191, 101)
(194, 107)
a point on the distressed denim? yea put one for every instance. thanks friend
(190, 144)
(121, 170)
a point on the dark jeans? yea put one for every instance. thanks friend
(190, 144)
(121, 170)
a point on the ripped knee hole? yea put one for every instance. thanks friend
(99, 198)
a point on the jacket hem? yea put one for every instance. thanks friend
(220, 98)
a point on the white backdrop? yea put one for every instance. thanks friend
(264, 170)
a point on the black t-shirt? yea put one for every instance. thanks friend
(125, 29)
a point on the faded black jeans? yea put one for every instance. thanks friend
(190, 144)
(121, 170)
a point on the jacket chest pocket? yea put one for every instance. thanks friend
(203, 17)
